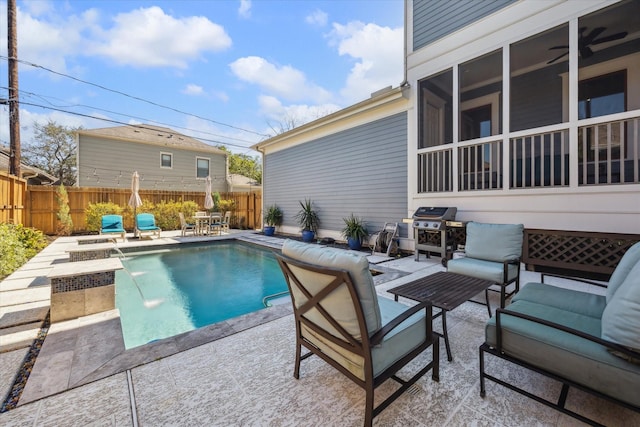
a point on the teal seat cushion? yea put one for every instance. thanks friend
(338, 303)
(482, 269)
(621, 317)
(577, 359)
(146, 222)
(630, 259)
(112, 224)
(565, 299)
(404, 338)
(494, 242)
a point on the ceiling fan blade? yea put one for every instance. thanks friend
(559, 47)
(555, 59)
(610, 38)
(586, 52)
(593, 35)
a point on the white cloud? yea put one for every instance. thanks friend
(317, 18)
(378, 53)
(278, 114)
(193, 89)
(245, 9)
(284, 81)
(147, 37)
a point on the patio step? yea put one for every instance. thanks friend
(16, 337)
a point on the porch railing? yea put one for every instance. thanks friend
(480, 166)
(435, 171)
(540, 160)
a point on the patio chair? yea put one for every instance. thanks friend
(340, 318)
(225, 222)
(492, 252)
(215, 223)
(146, 224)
(112, 224)
(385, 240)
(186, 226)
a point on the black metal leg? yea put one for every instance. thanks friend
(486, 296)
(482, 390)
(446, 335)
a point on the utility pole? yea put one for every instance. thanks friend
(14, 107)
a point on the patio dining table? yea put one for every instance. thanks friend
(203, 222)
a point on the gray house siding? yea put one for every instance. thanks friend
(110, 163)
(362, 170)
(434, 19)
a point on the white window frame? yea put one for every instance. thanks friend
(209, 167)
(162, 153)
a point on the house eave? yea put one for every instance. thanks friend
(378, 99)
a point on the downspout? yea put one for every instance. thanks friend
(261, 150)
(405, 83)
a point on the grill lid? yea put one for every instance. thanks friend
(435, 213)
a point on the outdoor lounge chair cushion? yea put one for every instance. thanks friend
(494, 242)
(580, 360)
(407, 336)
(487, 270)
(339, 305)
(112, 224)
(621, 316)
(146, 222)
(584, 303)
(630, 259)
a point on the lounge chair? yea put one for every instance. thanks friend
(146, 224)
(340, 318)
(186, 226)
(112, 224)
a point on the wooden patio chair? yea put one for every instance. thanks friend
(340, 318)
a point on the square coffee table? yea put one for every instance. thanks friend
(445, 291)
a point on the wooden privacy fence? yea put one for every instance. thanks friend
(12, 195)
(42, 207)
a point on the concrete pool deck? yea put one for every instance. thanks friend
(239, 372)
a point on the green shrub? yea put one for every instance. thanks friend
(17, 245)
(95, 211)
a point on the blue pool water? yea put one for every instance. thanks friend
(188, 288)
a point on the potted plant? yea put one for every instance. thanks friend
(355, 231)
(272, 218)
(308, 220)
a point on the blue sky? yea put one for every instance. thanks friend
(239, 68)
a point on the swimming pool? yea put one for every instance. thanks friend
(187, 288)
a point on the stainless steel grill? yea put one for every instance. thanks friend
(432, 231)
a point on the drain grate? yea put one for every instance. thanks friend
(414, 389)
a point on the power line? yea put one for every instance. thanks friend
(131, 96)
(120, 123)
(45, 99)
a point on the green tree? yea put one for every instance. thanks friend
(244, 164)
(53, 150)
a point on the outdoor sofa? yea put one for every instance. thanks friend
(587, 341)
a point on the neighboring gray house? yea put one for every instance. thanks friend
(164, 159)
(514, 111)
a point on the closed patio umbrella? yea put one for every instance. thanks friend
(135, 201)
(208, 200)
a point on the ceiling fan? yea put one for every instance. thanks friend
(584, 41)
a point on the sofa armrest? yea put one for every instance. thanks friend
(377, 338)
(577, 279)
(608, 344)
(505, 268)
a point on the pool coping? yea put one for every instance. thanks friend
(83, 350)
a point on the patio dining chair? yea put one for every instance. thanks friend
(225, 222)
(340, 318)
(186, 226)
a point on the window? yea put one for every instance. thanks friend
(436, 109)
(166, 160)
(202, 167)
(602, 95)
